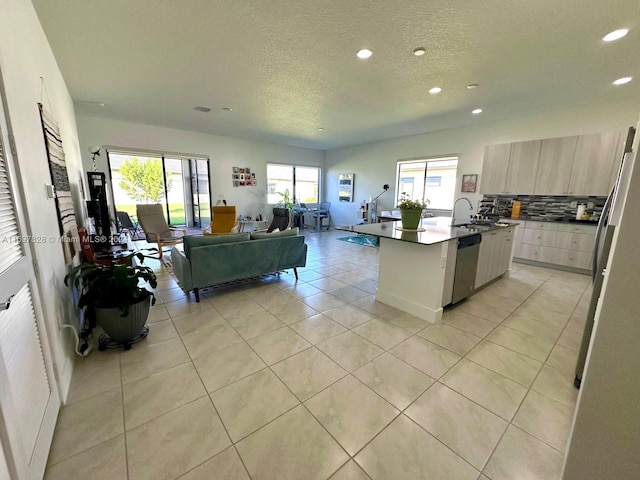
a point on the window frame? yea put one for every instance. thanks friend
(294, 193)
(426, 160)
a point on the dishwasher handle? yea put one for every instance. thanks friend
(469, 241)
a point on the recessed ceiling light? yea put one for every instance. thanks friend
(320, 129)
(476, 111)
(227, 109)
(435, 90)
(200, 108)
(418, 52)
(95, 104)
(472, 86)
(622, 81)
(364, 53)
(615, 35)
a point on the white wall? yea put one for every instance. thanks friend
(25, 57)
(224, 153)
(605, 440)
(375, 163)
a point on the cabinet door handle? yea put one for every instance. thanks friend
(7, 304)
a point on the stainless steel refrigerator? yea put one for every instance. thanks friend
(607, 223)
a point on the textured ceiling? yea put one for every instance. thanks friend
(289, 67)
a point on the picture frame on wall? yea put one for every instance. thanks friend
(469, 183)
(243, 177)
(345, 187)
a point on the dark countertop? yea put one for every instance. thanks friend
(437, 230)
(553, 220)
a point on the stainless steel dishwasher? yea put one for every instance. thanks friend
(464, 278)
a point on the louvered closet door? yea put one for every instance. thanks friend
(29, 401)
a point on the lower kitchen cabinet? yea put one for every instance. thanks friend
(568, 245)
(494, 257)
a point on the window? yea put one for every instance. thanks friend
(406, 186)
(433, 180)
(303, 183)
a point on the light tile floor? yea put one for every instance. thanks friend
(314, 379)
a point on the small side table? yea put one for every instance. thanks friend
(252, 225)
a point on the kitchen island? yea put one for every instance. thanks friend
(416, 268)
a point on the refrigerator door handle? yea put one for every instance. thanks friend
(602, 223)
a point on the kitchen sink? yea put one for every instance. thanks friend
(474, 227)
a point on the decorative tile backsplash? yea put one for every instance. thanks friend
(543, 207)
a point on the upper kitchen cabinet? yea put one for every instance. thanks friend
(494, 168)
(523, 166)
(554, 168)
(593, 163)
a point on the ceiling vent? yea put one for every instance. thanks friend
(200, 108)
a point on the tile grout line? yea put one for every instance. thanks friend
(208, 395)
(351, 373)
(529, 389)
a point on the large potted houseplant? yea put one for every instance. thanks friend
(410, 211)
(115, 294)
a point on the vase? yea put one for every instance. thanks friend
(124, 329)
(411, 218)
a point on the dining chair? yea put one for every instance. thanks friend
(321, 213)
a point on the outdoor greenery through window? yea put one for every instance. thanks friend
(179, 184)
(433, 180)
(303, 183)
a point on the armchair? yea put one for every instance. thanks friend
(281, 219)
(224, 221)
(155, 227)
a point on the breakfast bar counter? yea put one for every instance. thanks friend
(416, 268)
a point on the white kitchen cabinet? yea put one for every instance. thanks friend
(555, 256)
(494, 256)
(567, 240)
(494, 168)
(555, 165)
(576, 165)
(523, 167)
(484, 259)
(564, 244)
(593, 163)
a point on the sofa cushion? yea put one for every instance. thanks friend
(291, 232)
(192, 241)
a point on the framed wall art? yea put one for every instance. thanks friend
(469, 183)
(345, 187)
(243, 177)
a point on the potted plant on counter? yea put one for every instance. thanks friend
(114, 295)
(410, 211)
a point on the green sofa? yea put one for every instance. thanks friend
(209, 260)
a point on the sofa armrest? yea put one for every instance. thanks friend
(182, 269)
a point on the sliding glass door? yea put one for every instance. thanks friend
(201, 198)
(179, 184)
(137, 179)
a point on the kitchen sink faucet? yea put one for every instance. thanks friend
(453, 212)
